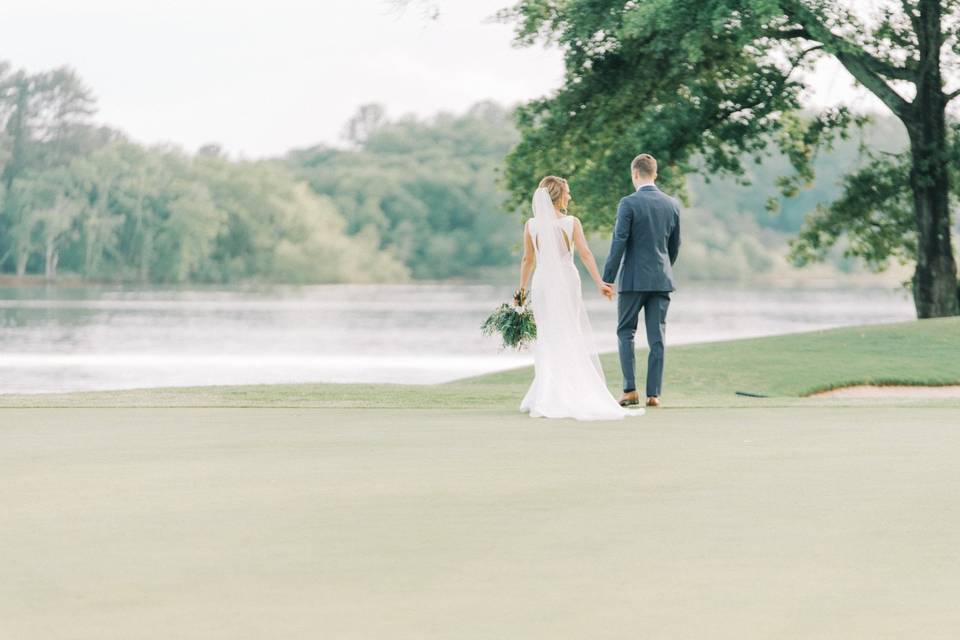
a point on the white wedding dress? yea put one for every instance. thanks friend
(568, 380)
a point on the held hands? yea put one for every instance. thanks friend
(606, 290)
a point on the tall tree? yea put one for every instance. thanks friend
(65, 107)
(364, 122)
(45, 118)
(45, 218)
(44, 122)
(17, 94)
(717, 80)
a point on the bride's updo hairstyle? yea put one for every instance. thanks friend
(556, 187)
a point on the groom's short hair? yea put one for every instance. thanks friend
(644, 164)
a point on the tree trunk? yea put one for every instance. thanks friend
(17, 130)
(92, 246)
(22, 256)
(146, 256)
(935, 280)
(50, 263)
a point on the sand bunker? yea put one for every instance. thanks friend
(891, 391)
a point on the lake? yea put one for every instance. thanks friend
(63, 339)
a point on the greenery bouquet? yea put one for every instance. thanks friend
(513, 322)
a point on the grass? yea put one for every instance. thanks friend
(447, 514)
(297, 524)
(784, 368)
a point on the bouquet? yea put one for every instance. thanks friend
(514, 323)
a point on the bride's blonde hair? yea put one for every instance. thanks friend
(556, 187)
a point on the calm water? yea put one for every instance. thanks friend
(81, 339)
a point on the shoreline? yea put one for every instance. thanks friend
(786, 369)
(810, 280)
(460, 379)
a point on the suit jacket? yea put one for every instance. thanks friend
(646, 241)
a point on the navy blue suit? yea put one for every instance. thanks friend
(645, 245)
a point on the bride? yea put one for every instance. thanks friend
(568, 381)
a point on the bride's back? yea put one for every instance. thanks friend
(565, 224)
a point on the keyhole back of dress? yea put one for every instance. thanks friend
(566, 238)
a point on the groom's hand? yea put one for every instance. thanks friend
(606, 290)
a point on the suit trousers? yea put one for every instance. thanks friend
(654, 305)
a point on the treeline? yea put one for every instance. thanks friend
(407, 198)
(82, 199)
(425, 190)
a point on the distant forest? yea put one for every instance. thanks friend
(403, 199)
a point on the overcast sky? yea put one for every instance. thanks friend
(263, 77)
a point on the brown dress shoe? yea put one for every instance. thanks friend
(653, 401)
(629, 399)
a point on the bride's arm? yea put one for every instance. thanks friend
(586, 257)
(528, 260)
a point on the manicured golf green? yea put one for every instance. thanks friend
(416, 524)
(445, 513)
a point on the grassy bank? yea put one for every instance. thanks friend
(783, 368)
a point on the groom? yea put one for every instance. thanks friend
(647, 240)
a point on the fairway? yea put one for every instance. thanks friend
(404, 512)
(319, 523)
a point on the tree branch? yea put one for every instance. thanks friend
(875, 84)
(908, 9)
(874, 64)
(788, 34)
(799, 59)
(953, 94)
(866, 68)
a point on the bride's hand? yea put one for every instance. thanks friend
(606, 290)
